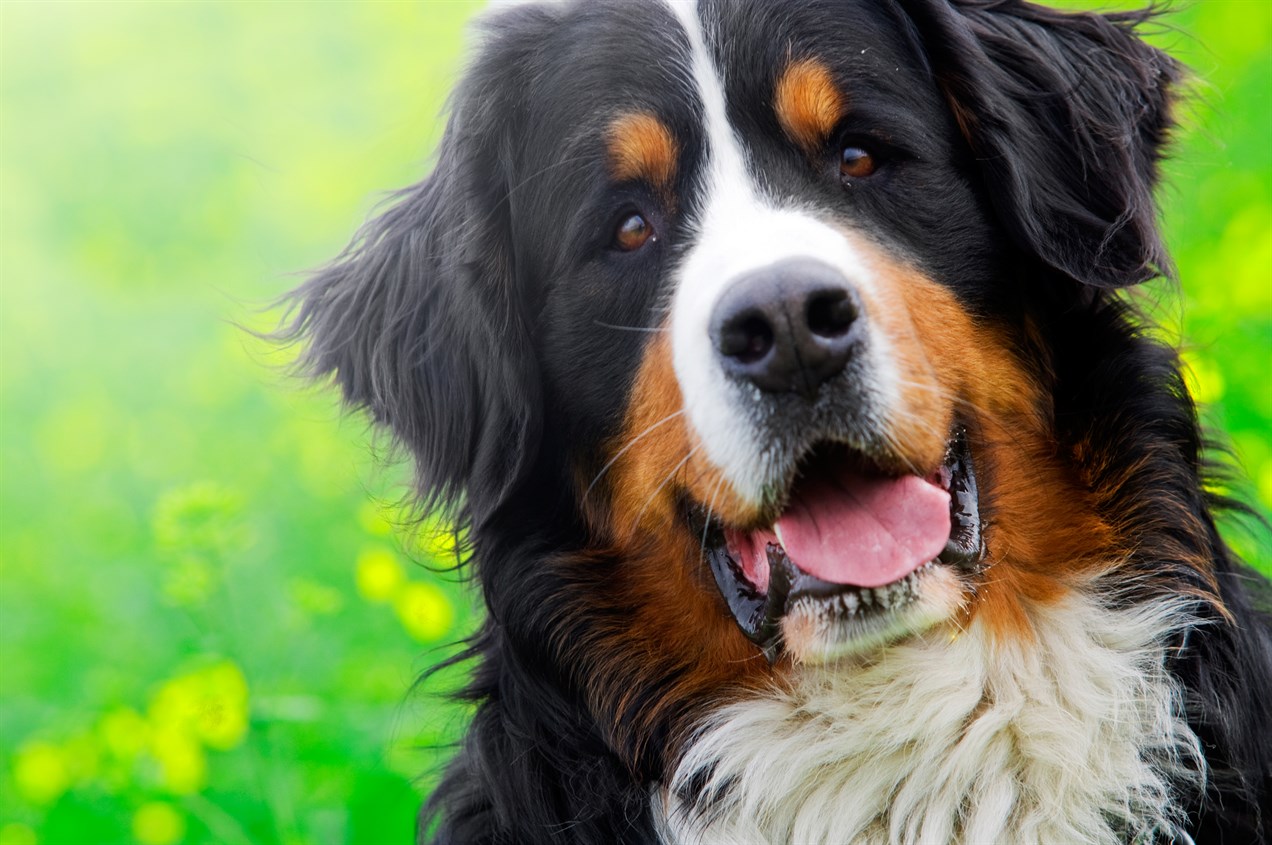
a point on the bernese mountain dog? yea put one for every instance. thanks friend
(821, 479)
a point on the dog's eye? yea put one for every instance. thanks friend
(856, 163)
(633, 232)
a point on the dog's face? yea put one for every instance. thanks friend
(720, 322)
(756, 297)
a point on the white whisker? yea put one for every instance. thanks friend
(666, 480)
(627, 448)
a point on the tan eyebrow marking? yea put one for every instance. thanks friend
(807, 103)
(641, 147)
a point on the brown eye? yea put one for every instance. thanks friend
(633, 232)
(856, 163)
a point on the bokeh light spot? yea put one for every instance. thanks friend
(158, 823)
(123, 732)
(74, 437)
(378, 575)
(183, 767)
(40, 772)
(1204, 379)
(16, 833)
(205, 707)
(425, 611)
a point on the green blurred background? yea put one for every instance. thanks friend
(211, 617)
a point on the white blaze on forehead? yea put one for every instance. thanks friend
(725, 160)
(737, 231)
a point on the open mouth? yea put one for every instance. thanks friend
(851, 556)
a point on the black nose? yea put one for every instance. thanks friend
(788, 327)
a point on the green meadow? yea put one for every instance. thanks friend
(213, 608)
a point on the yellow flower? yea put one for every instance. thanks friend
(40, 772)
(210, 704)
(425, 611)
(124, 732)
(1204, 379)
(158, 823)
(222, 720)
(378, 574)
(183, 768)
(435, 540)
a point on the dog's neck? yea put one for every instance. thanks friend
(1075, 736)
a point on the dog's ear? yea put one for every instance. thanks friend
(419, 320)
(1066, 116)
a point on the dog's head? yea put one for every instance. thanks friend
(729, 327)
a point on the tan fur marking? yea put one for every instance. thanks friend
(667, 458)
(668, 618)
(808, 103)
(642, 148)
(1044, 536)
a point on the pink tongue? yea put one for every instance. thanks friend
(853, 529)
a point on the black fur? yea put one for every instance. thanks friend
(1121, 390)
(471, 319)
(1066, 116)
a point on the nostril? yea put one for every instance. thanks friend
(789, 327)
(748, 339)
(831, 313)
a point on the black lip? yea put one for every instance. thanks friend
(759, 614)
(756, 613)
(966, 546)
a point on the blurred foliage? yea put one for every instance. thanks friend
(211, 616)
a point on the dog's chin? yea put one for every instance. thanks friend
(854, 558)
(856, 622)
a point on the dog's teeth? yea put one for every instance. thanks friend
(777, 531)
(865, 600)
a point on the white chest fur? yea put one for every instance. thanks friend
(1075, 737)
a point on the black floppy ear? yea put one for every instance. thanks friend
(419, 320)
(1066, 115)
